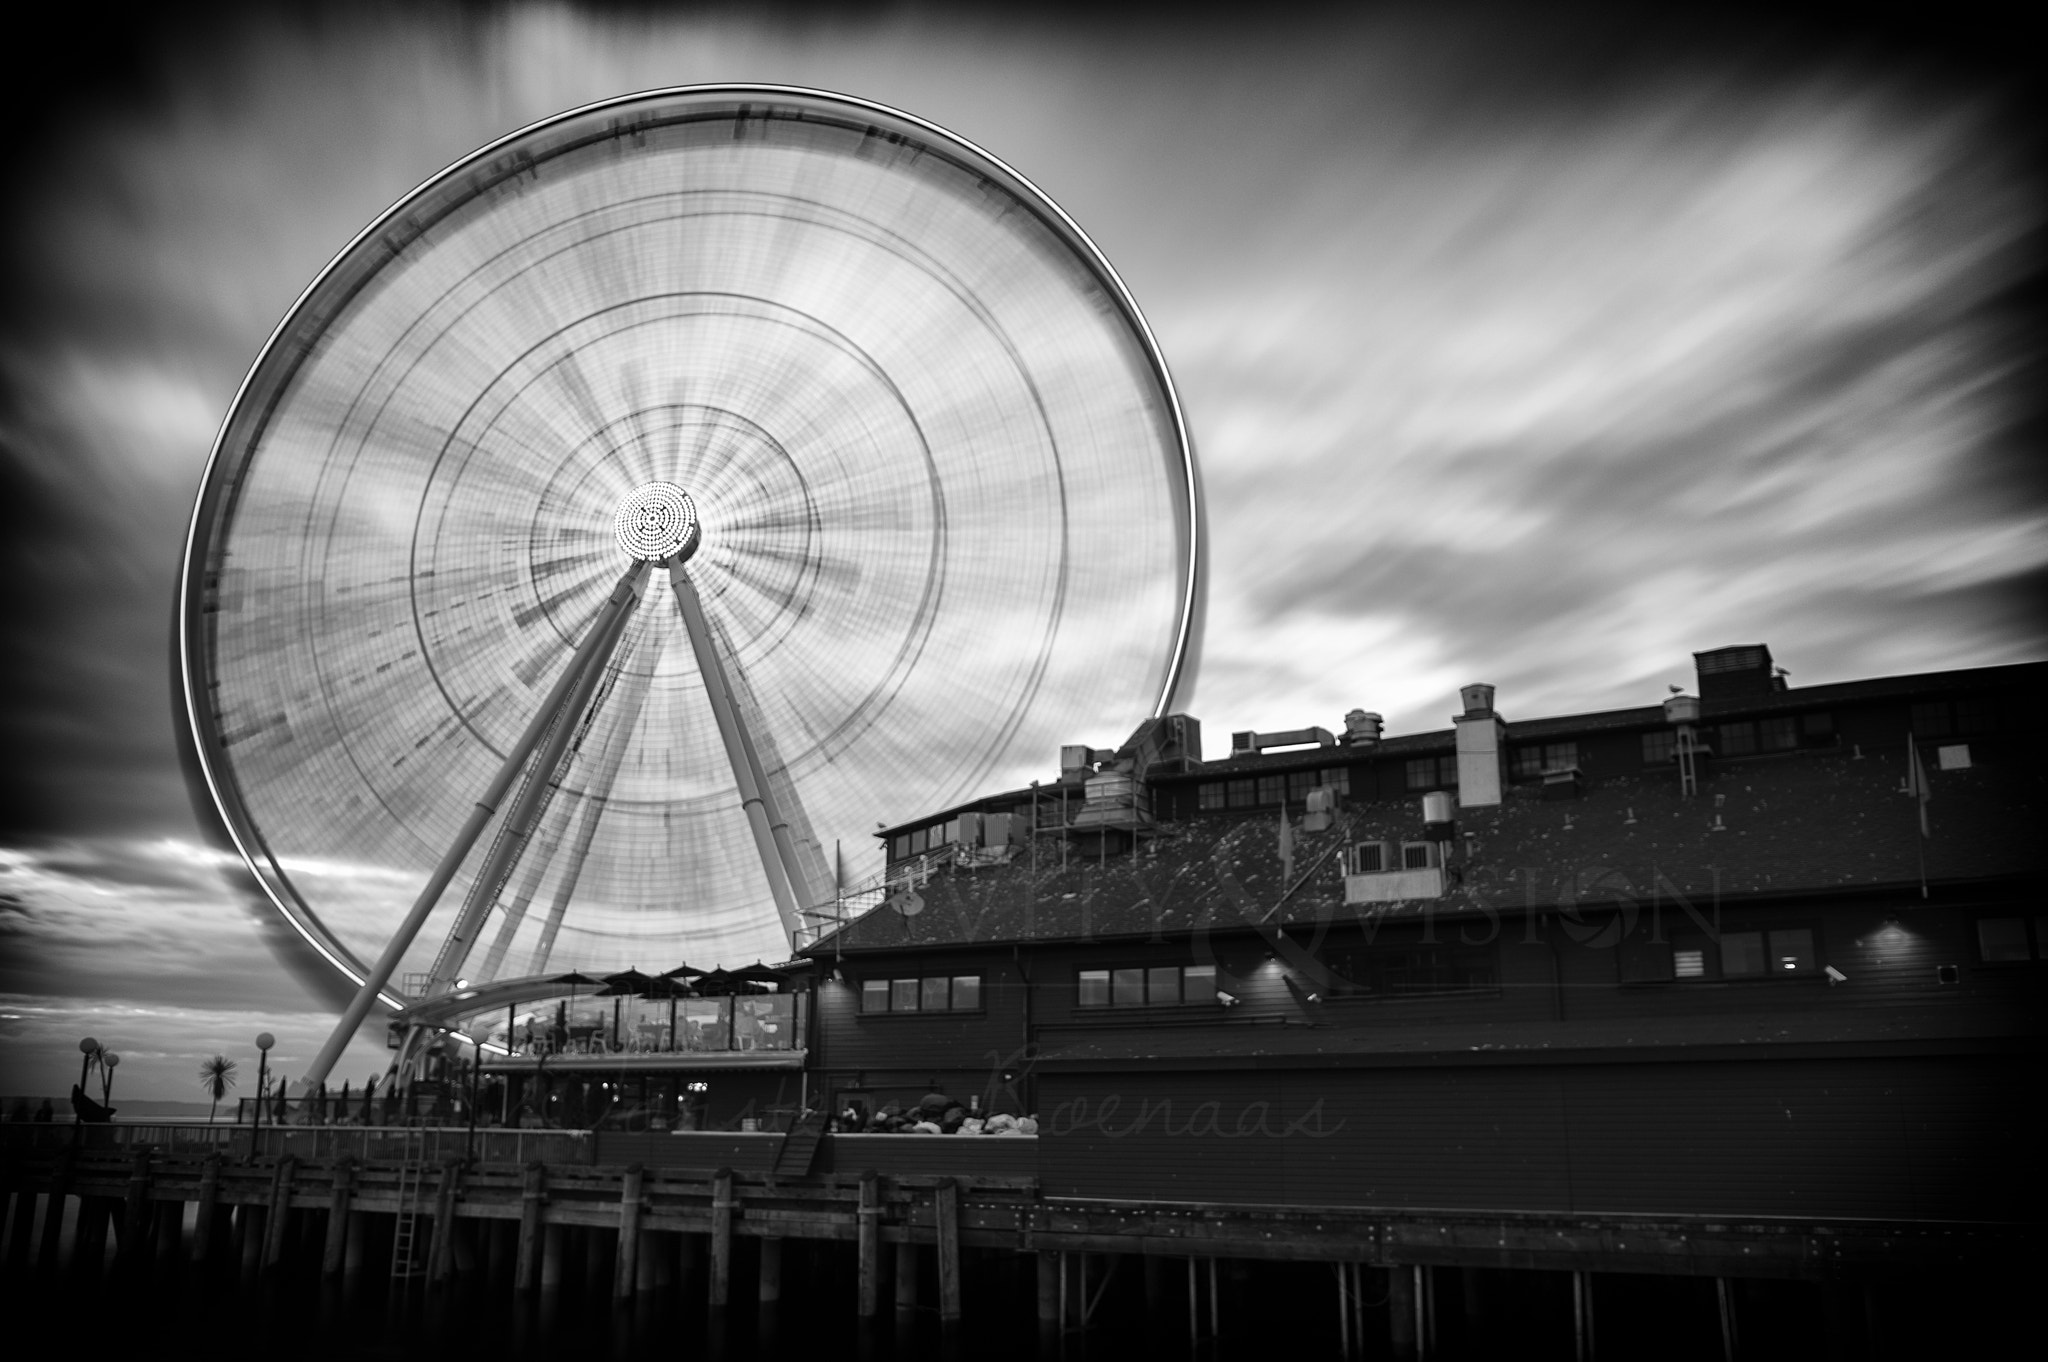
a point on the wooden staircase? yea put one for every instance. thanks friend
(800, 1146)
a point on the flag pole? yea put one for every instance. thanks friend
(1916, 779)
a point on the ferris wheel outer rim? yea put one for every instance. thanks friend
(1188, 628)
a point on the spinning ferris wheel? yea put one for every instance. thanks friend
(652, 500)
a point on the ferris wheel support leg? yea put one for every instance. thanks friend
(519, 818)
(590, 655)
(778, 855)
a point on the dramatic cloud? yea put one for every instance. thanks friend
(1537, 352)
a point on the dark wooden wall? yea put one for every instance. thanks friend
(1908, 1138)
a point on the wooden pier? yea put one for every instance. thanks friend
(414, 1204)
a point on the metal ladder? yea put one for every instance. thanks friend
(405, 1259)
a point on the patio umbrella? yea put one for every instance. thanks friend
(758, 973)
(574, 980)
(627, 983)
(683, 972)
(716, 981)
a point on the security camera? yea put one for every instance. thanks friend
(1835, 976)
(1227, 999)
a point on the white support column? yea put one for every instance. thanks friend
(519, 818)
(590, 655)
(771, 833)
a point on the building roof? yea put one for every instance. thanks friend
(1789, 824)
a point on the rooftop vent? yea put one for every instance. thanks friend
(1738, 672)
(1362, 728)
(1478, 698)
(1248, 742)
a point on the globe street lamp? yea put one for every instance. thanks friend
(108, 1061)
(264, 1040)
(89, 1048)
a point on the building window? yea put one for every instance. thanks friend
(1930, 719)
(1338, 778)
(926, 993)
(1433, 773)
(899, 847)
(1243, 794)
(1736, 740)
(1751, 955)
(2002, 939)
(1272, 789)
(1146, 986)
(1417, 855)
(1979, 715)
(1817, 729)
(1778, 735)
(1420, 967)
(1212, 795)
(1532, 760)
(1659, 747)
(1299, 783)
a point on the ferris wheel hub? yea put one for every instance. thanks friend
(657, 520)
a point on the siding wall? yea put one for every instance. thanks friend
(1892, 1139)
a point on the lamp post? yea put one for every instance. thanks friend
(90, 1048)
(108, 1060)
(264, 1040)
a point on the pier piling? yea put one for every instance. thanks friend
(721, 1236)
(627, 1277)
(867, 1242)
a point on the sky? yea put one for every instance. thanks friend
(1541, 348)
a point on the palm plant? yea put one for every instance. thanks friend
(217, 1077)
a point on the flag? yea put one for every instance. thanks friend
(1916, 780)
(1286, 845)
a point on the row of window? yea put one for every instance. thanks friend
(1374, 858)
(1445, 967)
(1253, 792)
(1147, 986)
(927, 993)
(1784, 951)
(1940, 718)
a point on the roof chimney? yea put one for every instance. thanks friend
(1362, 728)
(1482, 748)
(1734, 673)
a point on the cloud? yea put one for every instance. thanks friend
(1539, 350)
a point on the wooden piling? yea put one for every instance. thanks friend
(771, 1271)
(53, 1211)
(277, 1215)
(1582, 1316)
(21, 1236)
(721, 1235)
(356, 1254)
(906, 1276)
(135, 1210)
(625, 1275)
(334, 1252)
(554, 1254)
(1402, 1303)
(1049, 1289)
(532, 1197)
(867, 1241)
(170, 1227)
(209, 1205)
(946, 1211)
(441, 1248)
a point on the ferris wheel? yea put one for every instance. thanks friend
(654, 499)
